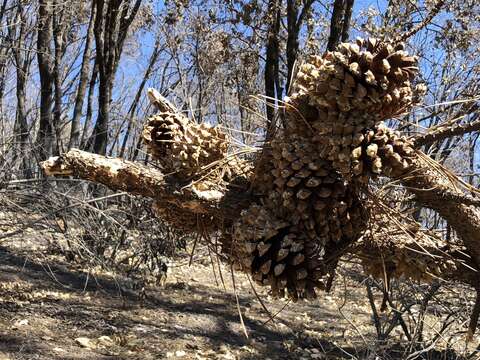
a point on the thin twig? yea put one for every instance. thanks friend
(238, 303)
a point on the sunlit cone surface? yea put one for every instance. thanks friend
(351, 91)
(183, 146)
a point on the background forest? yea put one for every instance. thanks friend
(74, 74)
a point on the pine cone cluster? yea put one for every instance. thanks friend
(313, 194)
(308, 181)
(309, 167)
(369, 76)
(316, 216)
(376, 151)
(352, 90)
(276, 254)
(182, 146)
(406, 257)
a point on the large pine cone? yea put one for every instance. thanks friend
(351, 91)
(182, 146)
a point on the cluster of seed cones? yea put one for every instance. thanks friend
(368, 76)
(381, 151)
(274, 254)
(307, 218)
(308, 182)
(182, 146)
(311, 175)
(352, 91)
(313, 195)
(279, 254)
(407, 255)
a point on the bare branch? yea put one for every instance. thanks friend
(436, 9)
(143, 180)
(446, 132)
(160, 102)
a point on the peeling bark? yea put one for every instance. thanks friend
(432, 190)
(138, 179)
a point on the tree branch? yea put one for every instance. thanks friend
(446, 132)
(434, 190)
(436, 9)
(139, 179)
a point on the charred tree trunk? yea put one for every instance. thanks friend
(339, 22)
(99, 136)
(46, 135)
(295, 19)
(59, 32)
(271, 61)
(22, 60)
(85, 141)
(113, 18)
(293, 28)
(346, 20)
(82, 84)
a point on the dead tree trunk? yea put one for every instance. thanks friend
(82, 84)
(295, 18)
(18, 40)
(272, 59)
(339, 22)
(113, 19)
(45, 136)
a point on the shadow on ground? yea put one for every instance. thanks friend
(44, 307)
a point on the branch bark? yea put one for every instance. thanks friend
(434, 190)
(138, 179)
(472, 326)
(447, 132)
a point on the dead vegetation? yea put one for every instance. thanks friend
(306, 198)
(334, 215)
(53, 308)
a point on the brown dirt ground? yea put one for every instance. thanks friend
(50, 309)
